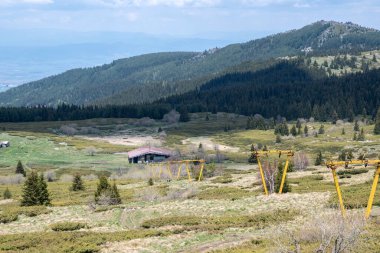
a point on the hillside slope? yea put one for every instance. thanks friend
(150, 77)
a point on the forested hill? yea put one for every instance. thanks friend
(287, 89)
(150, 77)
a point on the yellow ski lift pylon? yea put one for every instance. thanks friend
(333, 165)
(261, 153)
(180, 164)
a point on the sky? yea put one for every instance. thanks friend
(46, 37)
(211, 19)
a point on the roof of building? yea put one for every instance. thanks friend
(149, 150)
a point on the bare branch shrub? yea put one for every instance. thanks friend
(50, 175)
(91, 151)
(331, 232)
(66, 178)
(13, 179)
(148, 194)
(178, 194)
(171, 117)
(300, 161)
(90, 177)
(68, 130)
(270, 173)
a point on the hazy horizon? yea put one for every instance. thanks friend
(46, 37)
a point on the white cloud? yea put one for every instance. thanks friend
(10, 2)
(262, 3)
(152, 3)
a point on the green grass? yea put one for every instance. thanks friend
(79, 242)
(224, 193)
(68, 226)
(258, 221)
(61, 195)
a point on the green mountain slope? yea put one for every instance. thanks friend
(150, 77)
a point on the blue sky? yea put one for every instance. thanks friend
(212, 19)
(45, 37)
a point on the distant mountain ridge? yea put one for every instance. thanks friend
(147, 78)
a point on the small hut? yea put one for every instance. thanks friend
(148, 155)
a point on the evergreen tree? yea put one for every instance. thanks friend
(207, 117)
(374, 58)
(319, 159)
(115, 196)
(7, 194)
(159, 130)
(306, 130)
(334, 117)
(150, 182)
(321, 129)
(77, 183)
(278, 138)
(361, 136)
(31, 193)
(286, 187)
(343, 131)
(43, 198)
(184, 116)
(265, 148)
(377, 123)
(356, 126)
(103, 187)
(293, 131)
(252, 158)
(20, 169)
(355, 138)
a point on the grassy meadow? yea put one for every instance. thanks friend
(225, 212)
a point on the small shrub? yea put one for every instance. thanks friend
(352, 172)
(150, 182)
(8, 217)
(225, 179)
(68, 226)
(7, 194)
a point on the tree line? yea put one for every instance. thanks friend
(288, 89)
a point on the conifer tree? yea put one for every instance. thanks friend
(293, 131)
(103, 188)
(20, 169)
(306, 130)
(7, 194)
(374, 58)
(377, 123)
(361, 136)
(265, 148)
(319, 159)
(356, 126)
(334, 117)
(31, 193)
(252, 158)
(77, 183)
(114, 194)
(43, 198)
(278, 138)
(321, 129)
(150, 182)
(343, 131)
(286, 187)
(355, 138)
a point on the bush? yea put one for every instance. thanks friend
(68, 226)
(150, 182)
(7, 194)
(106, 194)
(352, 172)
(8, 217)
(77, 183)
